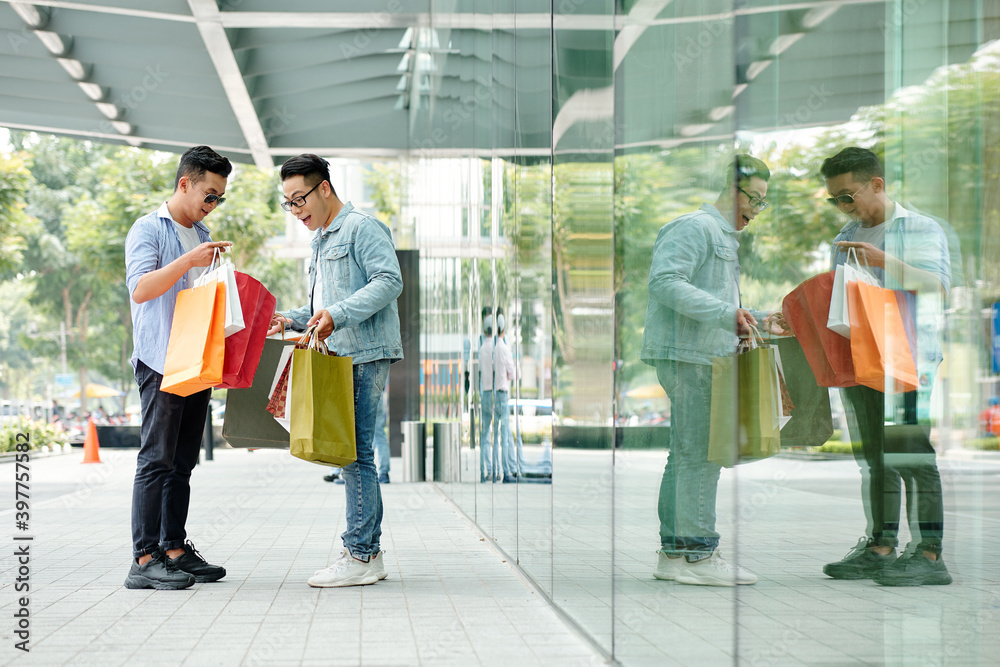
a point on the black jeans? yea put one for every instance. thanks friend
(894, 457)
(172, 431)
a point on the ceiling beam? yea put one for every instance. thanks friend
(209, 22)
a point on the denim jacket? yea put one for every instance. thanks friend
(691, 314)
(361, 281)
(918, 241)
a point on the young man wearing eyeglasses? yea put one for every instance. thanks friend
(694, 314)
(906, 251)
(354, 280)
(165, 251)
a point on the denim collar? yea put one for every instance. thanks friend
(724, 224)
(334, 225)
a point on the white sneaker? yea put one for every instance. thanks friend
(378, 565)
(345, 571)
(714, 571)
(668, 567)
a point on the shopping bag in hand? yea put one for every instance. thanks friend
(839, 319)
(243, 349)
(322, 407)
(880, 345)
(196, 346)
(746, 413)
(807, 309)
(225, 273)
(278, 399)
(248, 423)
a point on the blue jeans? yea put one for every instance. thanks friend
(690, 480)
(381, 443)
(171, 434)
(364, 498)
(494, 408)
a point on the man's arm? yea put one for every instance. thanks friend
(158, 282)
(376, 255)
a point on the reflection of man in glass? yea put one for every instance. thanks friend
(694, 314)
(496, 371)
(906, 251)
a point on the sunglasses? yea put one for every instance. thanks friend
(846, 199)
(209, 199)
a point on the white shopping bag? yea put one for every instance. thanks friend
(226, 274)
(839, 319)
(284, 360)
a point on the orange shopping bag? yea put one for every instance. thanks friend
(883, 356)
(196, 349)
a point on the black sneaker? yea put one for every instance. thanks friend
(862, 562)
(914, 570)
(192, 563)
(159, 573)
(332, 477)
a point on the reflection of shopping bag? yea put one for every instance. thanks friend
(746, 414)
(196, 346)
(248, 423)
(244, 347)
(806, 309)
(322, 407)
(839, 319)
(225, 274)
(812, 422)
(880, 345)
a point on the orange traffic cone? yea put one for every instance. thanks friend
(91, 447)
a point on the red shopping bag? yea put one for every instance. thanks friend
(807, 309)
(880, 340)
(243, 348)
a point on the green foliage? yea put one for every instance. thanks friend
(40, 434)
(385, 180)
(15, 224)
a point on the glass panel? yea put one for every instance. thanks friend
(582, 257)
(675, 292)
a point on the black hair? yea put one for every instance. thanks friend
(196, 161)
(861, 162)
(312, 168)
(747, 167)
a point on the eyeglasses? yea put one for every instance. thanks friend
(846, 199)
(755, 202)
(209, 199)
(300, 201)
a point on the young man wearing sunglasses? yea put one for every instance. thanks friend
(906, 251)
(694, 314)
(165, 251)
(354, 280)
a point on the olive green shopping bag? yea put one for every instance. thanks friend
(746, 407)
(322, 405)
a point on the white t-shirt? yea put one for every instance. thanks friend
(189, 241)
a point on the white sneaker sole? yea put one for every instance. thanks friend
(319, 582)
(694, 579)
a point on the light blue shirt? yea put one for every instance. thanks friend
(151, 244)
(920, 242)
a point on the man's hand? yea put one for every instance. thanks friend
(276, 322)
(776, 324)
(203, 254)
(325, 322)
(867, 253)
(744, 320)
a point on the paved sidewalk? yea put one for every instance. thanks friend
(272, 521)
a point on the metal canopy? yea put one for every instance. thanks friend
(261, 84)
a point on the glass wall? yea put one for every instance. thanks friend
(593, 236)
